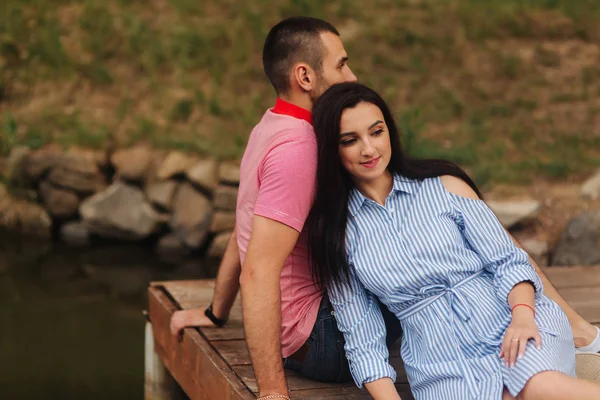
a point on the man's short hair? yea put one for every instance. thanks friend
(291, 41)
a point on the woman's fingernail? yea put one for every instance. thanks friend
(520, 356)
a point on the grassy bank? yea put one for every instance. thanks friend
(509, 89)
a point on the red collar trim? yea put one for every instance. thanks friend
(286, 108)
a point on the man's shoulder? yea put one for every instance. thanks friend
(283, 128)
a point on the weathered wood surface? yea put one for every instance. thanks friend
(580, 286)
(213, 363)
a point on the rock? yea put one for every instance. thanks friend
(3, 165)
(219, 244)
(192, 213)
(229, 173)
(510, 213)
(163, 219)
(195, 268)
(537, 249)
(204, 174)
(41, 161)
(60, 203)
(225, 198)
(176, 163)
(222, 221)
(75, 233)
(122, 280)
(132, 164)
(579, 243)
(77, 172)
(591, 187)
(16, 164)
(121, 212)
(23, 216)
(99, 157)
(162, 193)
(171, 246)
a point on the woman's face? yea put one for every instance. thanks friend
(364, 142)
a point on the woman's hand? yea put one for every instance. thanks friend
(521, 329)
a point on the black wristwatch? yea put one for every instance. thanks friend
(217, 321)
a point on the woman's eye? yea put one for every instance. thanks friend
(347, 142)
(378, 132)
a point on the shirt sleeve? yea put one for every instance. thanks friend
(359, 318)
(287, 182)
(485, 235)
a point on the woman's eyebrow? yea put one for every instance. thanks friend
(369, 128)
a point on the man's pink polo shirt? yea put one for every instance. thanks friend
(277, 181)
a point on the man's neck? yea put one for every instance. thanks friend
(300, 100)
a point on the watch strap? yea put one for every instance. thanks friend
(217, 321)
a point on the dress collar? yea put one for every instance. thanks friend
(401, 184)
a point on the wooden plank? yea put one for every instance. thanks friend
(302, 388)
(295, 381)
(585, 300)
(579, 285)
(198, 293)
(196, 366)
(351, 393)
(235, 353)
(572, 277)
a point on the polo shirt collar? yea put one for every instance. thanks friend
(287, 108)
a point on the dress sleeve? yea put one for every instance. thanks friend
(359, 318)
(485, 236)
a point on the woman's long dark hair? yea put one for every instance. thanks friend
(327, 222)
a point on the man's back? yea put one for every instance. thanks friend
(277, 182)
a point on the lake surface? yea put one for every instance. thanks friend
(71, 322)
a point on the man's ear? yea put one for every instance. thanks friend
(304, 76)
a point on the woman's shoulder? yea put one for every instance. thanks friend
(458, 187)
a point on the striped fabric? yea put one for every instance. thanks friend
(444, 266)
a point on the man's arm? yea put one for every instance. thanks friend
(270, 244)
(583, 331)
(226, 288)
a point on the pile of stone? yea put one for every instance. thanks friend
(182, 202)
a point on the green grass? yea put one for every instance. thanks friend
(475, 81)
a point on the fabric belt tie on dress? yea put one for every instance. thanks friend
(460, 305)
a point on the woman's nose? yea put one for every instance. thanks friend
(367, 148)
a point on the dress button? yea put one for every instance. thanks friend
(332, 313)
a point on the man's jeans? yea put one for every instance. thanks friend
(326, 359)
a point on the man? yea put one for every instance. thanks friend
(286, 317)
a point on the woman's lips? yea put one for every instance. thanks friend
(371, 163)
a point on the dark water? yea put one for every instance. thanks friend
(71, 323)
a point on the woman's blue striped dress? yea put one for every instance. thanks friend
(444, 266)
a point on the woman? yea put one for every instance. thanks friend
(416, 235)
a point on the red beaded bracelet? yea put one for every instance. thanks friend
(524, 305)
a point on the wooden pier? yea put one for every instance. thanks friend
(214, 364)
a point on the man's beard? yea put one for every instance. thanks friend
(322, 86)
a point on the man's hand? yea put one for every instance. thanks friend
(226, 288)
(186, 319)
